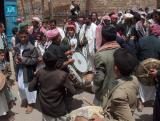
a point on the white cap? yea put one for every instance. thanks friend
(158, 10)
(128, 16)
(120, 12)
(142, 16)
(143, 13)
(36, 19)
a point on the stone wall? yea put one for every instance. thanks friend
(104, 6)
(60, 8)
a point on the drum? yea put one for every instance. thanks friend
(75, 77)
(80, 62)
(78, 69)
(143, 70)
(85, 113)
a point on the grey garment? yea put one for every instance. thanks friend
(2, 65)
(1, 42)
(3, 104)
(49, 118)
(89, 58)
(29, 61)
(96, 102)
(9, 94)
(104, 77)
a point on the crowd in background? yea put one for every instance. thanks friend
(44, 44)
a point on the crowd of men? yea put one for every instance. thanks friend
(113, 46)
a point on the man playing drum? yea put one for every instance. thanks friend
(55, 47)
(53, 85)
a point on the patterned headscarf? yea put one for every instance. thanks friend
(51, 34)
(155, 29)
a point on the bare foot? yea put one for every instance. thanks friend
(140, 105)
(29, 109)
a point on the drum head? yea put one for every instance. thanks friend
(143, 71)
(86, 112)
(80, 62)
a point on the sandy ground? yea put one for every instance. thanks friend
(18, 113)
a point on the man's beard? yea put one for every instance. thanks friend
(88, 23)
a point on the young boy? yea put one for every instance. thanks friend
(6, 70)
(71, 40)
(121, 101)
(52, 85)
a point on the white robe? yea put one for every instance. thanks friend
(90, 34)
(2, 37)
(3, 104)
(13, 41)
(41, 50)
(77, 27)
(73, 41)
(147, 93)
(61, 33)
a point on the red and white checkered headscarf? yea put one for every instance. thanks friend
(155, 29)
(51, 34)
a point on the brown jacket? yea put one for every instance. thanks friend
(122, 100)
(52, 86)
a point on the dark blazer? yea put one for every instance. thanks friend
(29, 61)
(58, 50)
(148, 47)
(52, 86)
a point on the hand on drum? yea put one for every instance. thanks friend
(153, 72)
(68, 62)
(69, 52)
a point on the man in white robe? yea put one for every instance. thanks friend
(87, 38)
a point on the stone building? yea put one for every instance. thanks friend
(60, 8)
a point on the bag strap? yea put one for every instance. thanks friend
(121, 82)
